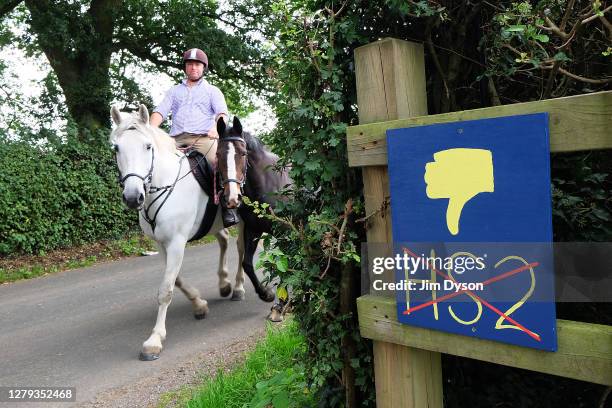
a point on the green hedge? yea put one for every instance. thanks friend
(58, 194)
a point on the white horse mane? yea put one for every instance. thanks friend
(162, 141)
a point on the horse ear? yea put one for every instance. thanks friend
(143, 112)
(116, 115)
(237, 125)
(221, 127)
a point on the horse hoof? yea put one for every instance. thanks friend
(201, 313)
(225, 291)
(200, 309)
(267, 295)
(238, 295)
(275, 316)
(148, 356)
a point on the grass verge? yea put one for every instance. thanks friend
(19, 267)
(270, 376)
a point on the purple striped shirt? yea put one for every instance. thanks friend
(194, 109)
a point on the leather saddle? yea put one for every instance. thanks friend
(204, 174)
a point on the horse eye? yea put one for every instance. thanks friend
(148, 146)
(116, 147)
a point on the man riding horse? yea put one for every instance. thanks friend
(195, 106)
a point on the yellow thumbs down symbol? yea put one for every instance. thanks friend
(459, 175)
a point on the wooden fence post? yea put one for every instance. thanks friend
(391, 85)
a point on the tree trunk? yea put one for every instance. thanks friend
(349, 348)
(79, 48)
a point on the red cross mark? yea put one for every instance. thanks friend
(484, 302)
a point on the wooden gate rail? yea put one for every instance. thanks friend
(585, 349)
(582, 122)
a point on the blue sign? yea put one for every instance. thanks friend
(466, 185)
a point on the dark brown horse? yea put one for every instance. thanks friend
(246, 168)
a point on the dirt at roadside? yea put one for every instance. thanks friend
(190, 373)
(102, 251)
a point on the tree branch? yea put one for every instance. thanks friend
(553, 27)
(6, 6)
(551, 78)
(437, 64)
(580, 78)
(215, 16)
(511, 48)
(341, 8)
(101, 12)
(348, 209)
(608, 26)
(585, 20)
(65, 68)
(572, 35)
(594, 16)
(567, 37)
(382, 209)
(495, 101)
(493, 6)
(568, 11)
(143, 52)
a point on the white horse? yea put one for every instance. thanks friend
(157, 180)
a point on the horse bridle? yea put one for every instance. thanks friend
(146, 180)
(150, 189)
(244, 173)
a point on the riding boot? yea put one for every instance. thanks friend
(230, 216)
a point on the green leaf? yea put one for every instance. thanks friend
(263, 403)
(601, 214)
(561, 56)
(312, 165)
(299, 156)
(281, 400)
(282, 264)
(516, 28)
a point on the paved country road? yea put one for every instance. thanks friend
(84, 328)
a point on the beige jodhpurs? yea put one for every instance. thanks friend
(202, 143)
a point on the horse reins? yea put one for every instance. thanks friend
(166, 190)
(232, 180)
